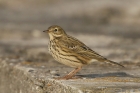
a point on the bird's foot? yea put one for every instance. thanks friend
(67, 77)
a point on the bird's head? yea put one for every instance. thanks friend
(55, 31)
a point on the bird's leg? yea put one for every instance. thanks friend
(72, 73)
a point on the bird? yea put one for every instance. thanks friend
(71, 51)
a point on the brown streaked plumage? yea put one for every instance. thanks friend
(70, 51)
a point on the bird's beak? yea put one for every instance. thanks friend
(46, 31)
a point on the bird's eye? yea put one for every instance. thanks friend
(55, 29)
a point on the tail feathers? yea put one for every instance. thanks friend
(114, 63)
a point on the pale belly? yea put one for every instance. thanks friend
(62, 57)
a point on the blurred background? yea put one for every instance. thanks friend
(95, 16)
(111, 27)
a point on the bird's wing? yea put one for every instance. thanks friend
(76, 46)
(73, 45)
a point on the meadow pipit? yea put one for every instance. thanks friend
(70, 51)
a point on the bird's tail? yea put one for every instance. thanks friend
(114, 63)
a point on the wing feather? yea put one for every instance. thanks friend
(80, 48)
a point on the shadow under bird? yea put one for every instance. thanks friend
(70, 51)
